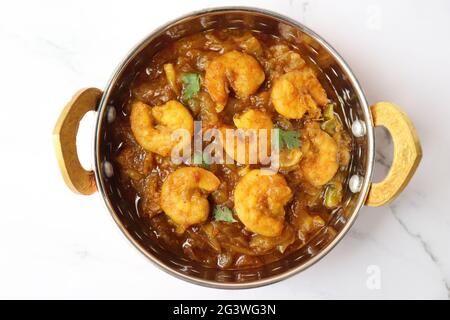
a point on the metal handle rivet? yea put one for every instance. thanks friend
(108, 169)
(358, 128)
(111, 115)
(355, 183)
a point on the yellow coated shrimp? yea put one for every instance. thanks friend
(297, 92)
(259, 201)
(238, 70)
(184, 196)
(251, 119)
(152, 127)
(320, 155)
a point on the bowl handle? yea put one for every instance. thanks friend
(407, 153)
(77, 179)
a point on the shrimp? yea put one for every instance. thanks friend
(184, 196)
(259, 201)
(251, 119)
(153, 126)
(238, 70)
(297, 92)
(320, 155)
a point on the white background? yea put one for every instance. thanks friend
(55, 244)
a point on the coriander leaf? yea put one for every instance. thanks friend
(191, 85)
(287, 139)
(222, 213)
(290, 139)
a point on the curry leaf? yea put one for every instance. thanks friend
(222, 213)
(191, 85)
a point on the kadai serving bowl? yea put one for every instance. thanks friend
(358, 117)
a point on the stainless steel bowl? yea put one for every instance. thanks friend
(340, 83)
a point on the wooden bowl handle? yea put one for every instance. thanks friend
(77, 179)
(407, 153)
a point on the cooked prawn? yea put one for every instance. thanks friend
(259, 201)
(320, 155)
(238, 70)
(297, 92)
(184, 195)
(153, 126)
(251, 119)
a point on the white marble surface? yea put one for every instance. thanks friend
(54, 244)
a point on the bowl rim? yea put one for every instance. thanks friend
(98, 169)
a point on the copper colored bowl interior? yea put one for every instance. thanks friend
(341, 86)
